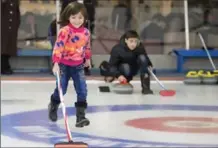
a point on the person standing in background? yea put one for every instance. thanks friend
(90, 6)
(10, 13)
(122, 15)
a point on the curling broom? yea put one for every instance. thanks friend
(70, 143)
(205, 47)
(163, 92)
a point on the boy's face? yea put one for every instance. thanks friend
(77, 20)
(132, 43)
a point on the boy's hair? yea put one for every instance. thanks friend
(72, 9)
(131, 34)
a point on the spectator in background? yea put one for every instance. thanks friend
(122, 15)
(90, 7)
(33, 1)
(10, 15)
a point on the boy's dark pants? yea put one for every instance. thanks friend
(130, 70)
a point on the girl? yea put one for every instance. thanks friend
(90, 9)
(126, 59)
(71, 47)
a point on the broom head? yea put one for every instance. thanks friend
(167, 93)
(71, 145)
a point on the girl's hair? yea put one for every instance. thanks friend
(131, 34)
(72, 9)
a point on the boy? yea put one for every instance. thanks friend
(126, 59)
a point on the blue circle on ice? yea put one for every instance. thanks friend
(39, 118)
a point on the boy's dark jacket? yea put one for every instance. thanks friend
(121, 54)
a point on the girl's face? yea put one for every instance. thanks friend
(77, 20)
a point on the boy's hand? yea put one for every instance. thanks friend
(88, 64)
(122, 79)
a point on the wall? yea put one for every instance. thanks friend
(161, 62)
(36, 18)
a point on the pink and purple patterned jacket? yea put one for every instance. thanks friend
(72, 46)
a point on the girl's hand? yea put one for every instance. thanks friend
(88, 64)
(56, 69)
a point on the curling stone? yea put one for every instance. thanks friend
(208, 77)
(215, 73)
(122, 88)
(209, 80)
(192, 77)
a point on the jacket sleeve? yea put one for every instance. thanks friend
(143, 51)
(114, 61)
(59, 45)
(88, 53)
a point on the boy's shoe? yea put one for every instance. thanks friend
(145, 83)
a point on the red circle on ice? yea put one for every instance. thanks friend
(176, 124)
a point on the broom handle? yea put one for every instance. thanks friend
(205, 47)
(63, 107)
(156, 79)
